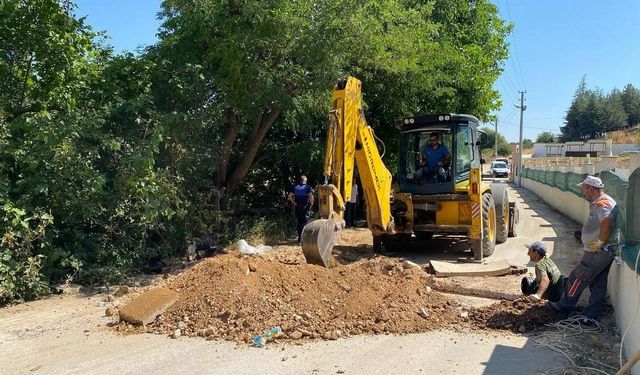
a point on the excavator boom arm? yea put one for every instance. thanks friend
(350, 142)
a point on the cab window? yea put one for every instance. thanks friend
(464, 152)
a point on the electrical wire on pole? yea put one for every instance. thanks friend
(522, 108)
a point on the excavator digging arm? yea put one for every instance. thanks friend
(350, 142)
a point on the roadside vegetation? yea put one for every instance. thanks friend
(109, 160)
(593, 113)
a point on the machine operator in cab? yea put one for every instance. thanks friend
(434, 156)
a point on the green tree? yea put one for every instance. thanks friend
(267, 70)
(527, 143)
(630, 98)
(44, 68)
(614, 115)
(575, 117)
(488, 142)
(592, 113)
(80, 190)
(545, 137)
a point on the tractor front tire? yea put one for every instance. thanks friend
(501, 200)
(488, 224)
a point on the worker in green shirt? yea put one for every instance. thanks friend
(549, 283)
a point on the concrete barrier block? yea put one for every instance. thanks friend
(146, 307)
(634, 161)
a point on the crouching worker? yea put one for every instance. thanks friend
(549, 283)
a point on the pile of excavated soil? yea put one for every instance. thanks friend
(520, 315)
(235, 297)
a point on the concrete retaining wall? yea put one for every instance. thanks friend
(623, 290)
(556, 186)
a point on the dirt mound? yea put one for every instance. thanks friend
(520, 315)
(235, 297)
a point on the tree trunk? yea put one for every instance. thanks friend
(230, 134)
(258, 132)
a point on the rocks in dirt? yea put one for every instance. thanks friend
(177, 333)
(307, 316)
(522, 329)
(295, 335)
(123, 290)
(332, 335)
(110, 311)
(368, 296)
(225, 316)
(515, 315)
(375, 302)
(428, 289)
(409, 264)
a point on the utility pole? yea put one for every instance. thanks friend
(495, 153)
(522, 108)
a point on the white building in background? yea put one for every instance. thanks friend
(594, 147)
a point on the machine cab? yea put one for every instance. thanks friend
(437, 152)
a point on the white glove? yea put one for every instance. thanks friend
(534, 297)
(595, 245)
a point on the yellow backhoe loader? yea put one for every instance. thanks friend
(452, 199)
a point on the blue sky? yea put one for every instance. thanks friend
(554, 43)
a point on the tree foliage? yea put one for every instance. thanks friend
(545, 137)
(488, 142)
(593, 113)
(107, 160)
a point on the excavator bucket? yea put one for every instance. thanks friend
(318, 239)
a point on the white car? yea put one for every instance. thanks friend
(504, 160)
(499, 169)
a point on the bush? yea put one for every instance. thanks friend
(21, 278)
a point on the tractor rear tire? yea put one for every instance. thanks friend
(377, 244)
(386, 243)
(488, 224)
(423, 235)
(501, 199)
(397, 242)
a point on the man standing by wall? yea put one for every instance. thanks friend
(599, 251)
(301, 195)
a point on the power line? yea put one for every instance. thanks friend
(515, 47)
(529, 127)
(509, 81)
(507, 119)
(508, 93)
